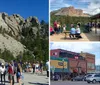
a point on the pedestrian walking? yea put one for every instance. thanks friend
(33, 66)
(19, 73)
(3, 72)
(47, 65)
(41, 67)
(37, 67)
(11, 74)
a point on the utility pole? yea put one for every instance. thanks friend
(63, 70)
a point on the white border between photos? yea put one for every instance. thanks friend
(49, 39)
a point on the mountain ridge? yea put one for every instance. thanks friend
(15, 30)
(70, 11)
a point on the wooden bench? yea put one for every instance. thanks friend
(66, 33)
(76, 36)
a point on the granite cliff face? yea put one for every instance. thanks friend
(11, 30)
(71, 11)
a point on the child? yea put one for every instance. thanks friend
(64, 27)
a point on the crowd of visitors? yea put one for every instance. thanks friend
(33, 67)
(75, 30)
(12, 69)
(88, 26)
(73, 33)
(15, 69)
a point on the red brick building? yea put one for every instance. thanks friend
(81, 63)
(90, 58)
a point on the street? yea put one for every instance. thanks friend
(71, 83)
(33, 79)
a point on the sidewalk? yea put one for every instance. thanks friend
(33, 79)
(85, 37)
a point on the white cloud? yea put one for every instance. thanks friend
(77, 47)
(92, 6)
(57, 4)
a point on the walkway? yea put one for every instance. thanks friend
(33, 79)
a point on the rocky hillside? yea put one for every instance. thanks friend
(18, 34)
(71, 11)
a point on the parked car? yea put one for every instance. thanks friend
(86, 76)
(93, 78)
(78, 78)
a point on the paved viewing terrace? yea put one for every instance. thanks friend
(92, 36)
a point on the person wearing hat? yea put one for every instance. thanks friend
(2, 70)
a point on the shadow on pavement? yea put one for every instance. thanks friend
(38, 83)
(2, 84)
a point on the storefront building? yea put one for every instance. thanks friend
(78, 62)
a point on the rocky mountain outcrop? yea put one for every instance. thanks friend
(71, 11)
(9, 43)
(11, 30)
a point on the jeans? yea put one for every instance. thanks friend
(3, 76)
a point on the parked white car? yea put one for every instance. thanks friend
(93, 78)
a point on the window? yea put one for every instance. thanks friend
(55, 53)
(89, 75)
(91, 65)
(65, 54)
(96, 75)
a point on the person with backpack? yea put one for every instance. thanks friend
(11, 74)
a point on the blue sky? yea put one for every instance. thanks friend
(93, 48)
(88, 6)
(26, 8)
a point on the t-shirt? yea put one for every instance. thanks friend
(2, 70)
(73, 31)
(64, 28)
(58, 25)
(47, 64)
(78, 30)
(55, 24)
(18, 70)
(41, 65)
(37, 65)
(10, 70)
(51, 29)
